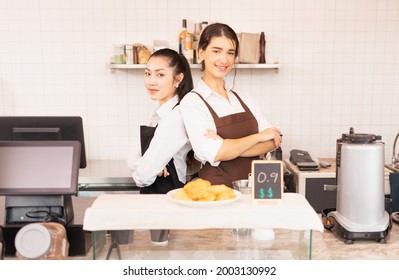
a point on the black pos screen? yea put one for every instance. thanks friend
(44, 128)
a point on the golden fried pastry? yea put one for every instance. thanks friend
(223, 192)
(202, 190)
(208, 196)
(199, 189)
(181, 195)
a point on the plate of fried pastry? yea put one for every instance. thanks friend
(200, 193)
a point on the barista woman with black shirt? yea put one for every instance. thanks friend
(161, 164)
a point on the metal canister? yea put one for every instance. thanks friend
(360, 178)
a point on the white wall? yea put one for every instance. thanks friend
(339, 64)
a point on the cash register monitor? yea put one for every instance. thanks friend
(39, 167)
(38, 179)
(44, 128)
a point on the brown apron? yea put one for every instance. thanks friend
(231, 127)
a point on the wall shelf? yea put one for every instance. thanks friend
(272, 66)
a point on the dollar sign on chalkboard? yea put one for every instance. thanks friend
(270, 192)
(261, 193)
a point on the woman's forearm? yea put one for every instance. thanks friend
(260, 149)
(233, 148)
(252, 145)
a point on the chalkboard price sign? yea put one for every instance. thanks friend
(267, 179)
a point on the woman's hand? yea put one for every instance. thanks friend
(272, 133)
(163, 173)
(212, 135)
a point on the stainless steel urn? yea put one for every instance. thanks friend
(360, 211)
(360, 178)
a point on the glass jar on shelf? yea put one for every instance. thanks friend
(119, 54)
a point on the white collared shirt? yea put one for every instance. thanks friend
(197, 118)
(170, 140)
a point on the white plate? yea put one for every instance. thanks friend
(200, 204)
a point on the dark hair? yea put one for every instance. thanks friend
(217, 30)
(180, 65)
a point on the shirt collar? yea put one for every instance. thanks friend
(167, 106)
(205, 91)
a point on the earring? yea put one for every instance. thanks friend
(177, 85)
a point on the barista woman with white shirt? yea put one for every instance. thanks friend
(226, 128)
(161, 165)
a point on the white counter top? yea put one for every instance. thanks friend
(123, 212)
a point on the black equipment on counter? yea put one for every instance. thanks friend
(44, 128)
(303, 160)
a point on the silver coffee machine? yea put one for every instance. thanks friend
(360, 212)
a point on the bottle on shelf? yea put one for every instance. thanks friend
(188, 51)
(182, 36)
(262, 48)
(186, 42)
(196, 36)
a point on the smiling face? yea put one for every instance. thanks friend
(218, 57)
(160, 80)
